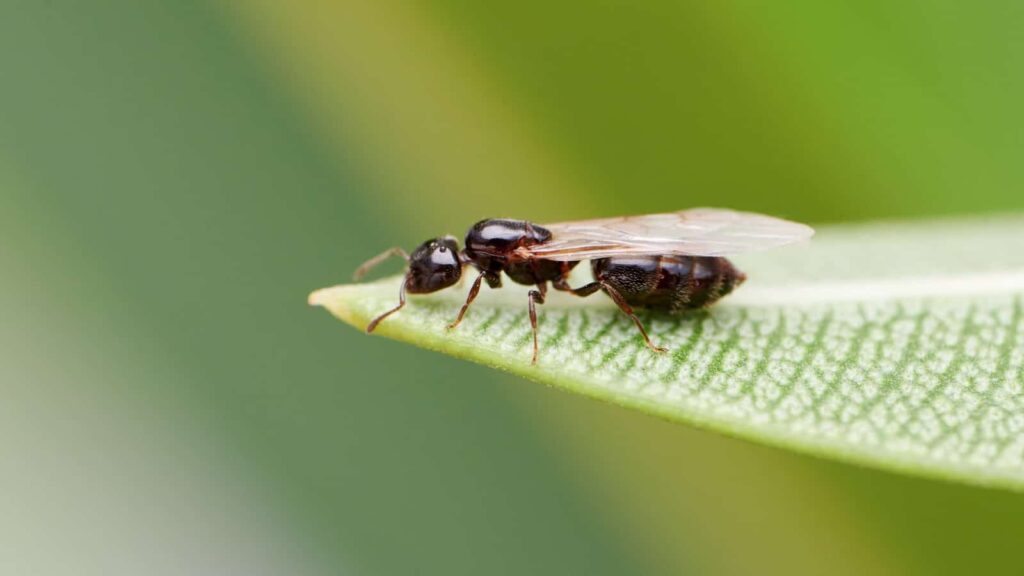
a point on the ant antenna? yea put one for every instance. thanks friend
(373, 262)
(401, 302)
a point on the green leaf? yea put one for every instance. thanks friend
(897, 345)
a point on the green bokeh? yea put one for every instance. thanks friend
(824, 111)
(167, 202)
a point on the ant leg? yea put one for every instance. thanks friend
(536, 297)
(587, 290)
(625, 307)
(583, 291)
(401, 302)
(372, 262)
(473, 291)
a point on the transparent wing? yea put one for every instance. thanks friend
(696, 232)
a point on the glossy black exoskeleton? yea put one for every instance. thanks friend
(492, 247)
(669, 283)
(666, 262)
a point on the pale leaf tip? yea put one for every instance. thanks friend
(338, 301)
(322, 296)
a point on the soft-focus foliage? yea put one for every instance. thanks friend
(175, 175)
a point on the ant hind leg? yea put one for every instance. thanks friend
(583, 291)
(628, 310)
(589, 289)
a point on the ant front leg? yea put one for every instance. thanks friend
(610, 290)
(401, 304)
(536, 297)
(473, 291)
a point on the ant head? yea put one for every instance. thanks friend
(436, 264)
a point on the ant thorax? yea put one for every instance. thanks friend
(492, 245)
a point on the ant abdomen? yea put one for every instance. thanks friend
(669, 283)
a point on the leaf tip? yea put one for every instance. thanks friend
(320, 297)
(337, 299)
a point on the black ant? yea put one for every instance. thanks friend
(668, 262)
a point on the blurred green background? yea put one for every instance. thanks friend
(175, 177)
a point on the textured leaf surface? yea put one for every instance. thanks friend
(899, 345)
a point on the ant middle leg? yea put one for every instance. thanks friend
(536, 297)
(610, 290)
